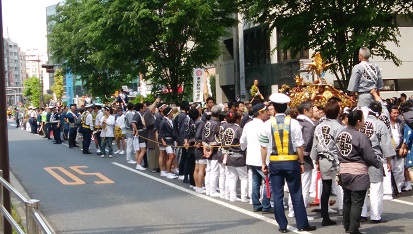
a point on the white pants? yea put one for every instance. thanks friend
(387, 188)
(313, 185)
(376, 201)
(212, 175)
(129, 148)
(223, 180)
(305, 187)
(207, 176)
(398, 172)
(233, 174)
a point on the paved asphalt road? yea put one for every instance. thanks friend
(75, 199)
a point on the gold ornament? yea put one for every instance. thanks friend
(318, 92)
(118, 132)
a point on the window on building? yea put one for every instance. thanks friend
(287, 55)
(404, 20)
(404, 84)
(389, 85)
(229, 44)
(257, 49)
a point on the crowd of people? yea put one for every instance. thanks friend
(212, 147)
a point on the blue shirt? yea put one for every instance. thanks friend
(408, 140)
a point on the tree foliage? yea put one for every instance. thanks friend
(80, 37)
(57, 87)
(336, 28)
(111, 42)
(32, 90)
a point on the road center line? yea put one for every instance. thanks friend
(216, 201)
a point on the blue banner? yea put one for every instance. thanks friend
(69, 89)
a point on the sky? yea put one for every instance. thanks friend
(24, 22)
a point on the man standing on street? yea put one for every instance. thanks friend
(71, 118)
(305, 111)
(87, 126)
(282, 143)
(249, 140)
(55, 121)
(129, 132)
(47, 124)
(17, 116)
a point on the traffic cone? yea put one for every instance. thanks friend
(51, 134)
(316, 201)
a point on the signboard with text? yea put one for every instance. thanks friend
(69, 88)
(198, 85)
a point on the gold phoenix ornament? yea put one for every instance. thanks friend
(318, 92)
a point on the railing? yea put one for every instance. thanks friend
(34, 221)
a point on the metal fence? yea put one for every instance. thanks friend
(34, 221)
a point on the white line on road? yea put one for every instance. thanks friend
(236, 208)
(403, 202)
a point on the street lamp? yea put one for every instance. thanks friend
(49, 68)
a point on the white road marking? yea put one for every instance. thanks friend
(402, 202)
(216, 201)
(13, 125)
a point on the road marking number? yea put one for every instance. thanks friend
(104, 179)
(57, 171)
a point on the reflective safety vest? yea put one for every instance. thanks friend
(85, 114)
(282, 149)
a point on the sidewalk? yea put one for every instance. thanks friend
(18, 205)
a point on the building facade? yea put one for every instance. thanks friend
(249, 54)
(34, 60)
(14, 71)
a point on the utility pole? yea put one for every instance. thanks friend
(4, 145)
(241, 58)
(235, 48)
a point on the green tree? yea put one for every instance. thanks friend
(336, 28)
(57, 87)
(212, 80)
(179, 36)
(47, 97)
(109, 42)
(32, 90)
(80, 36)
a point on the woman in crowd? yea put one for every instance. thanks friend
(120, 131)
(355, 154)
(200, 160)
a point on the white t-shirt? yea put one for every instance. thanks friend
(99, 117)
(110, 125)
(120, 122)
(249, 140)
